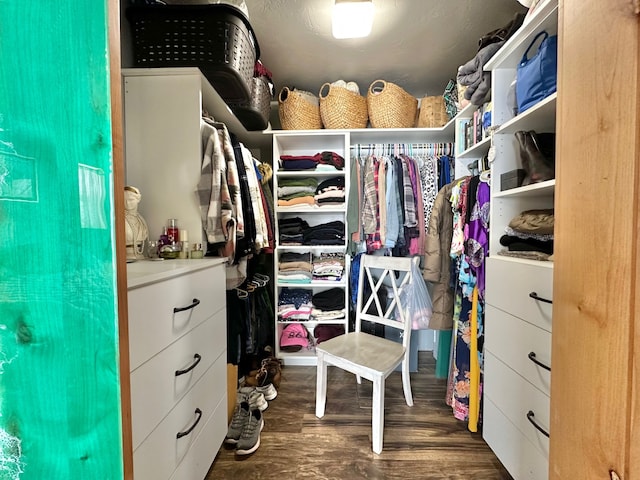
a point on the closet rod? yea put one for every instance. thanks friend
(440, 148)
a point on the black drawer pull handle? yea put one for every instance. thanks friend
(530, 416)
(195, 303)
(532, 357)
(198, 412)
(535, 296)
(197, 359)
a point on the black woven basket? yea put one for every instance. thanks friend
(217, 38)
(254, 115)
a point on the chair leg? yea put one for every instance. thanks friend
(377, 414)
(321, 386)
(406, 382)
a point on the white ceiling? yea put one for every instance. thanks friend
(416, 44)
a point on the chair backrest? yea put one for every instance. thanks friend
(395, 274)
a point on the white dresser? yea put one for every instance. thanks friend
(517, 362)
(178, 356)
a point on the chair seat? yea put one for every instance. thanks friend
(364, 353)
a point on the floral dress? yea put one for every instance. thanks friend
(469, 249)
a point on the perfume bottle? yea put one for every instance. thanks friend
(172, 231)
(164, 238)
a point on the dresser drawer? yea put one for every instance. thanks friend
(512, 340)
(513, 449)
(161, 452)
(197, 462)
(153, 324)
(515, 397)
(509, 285)
(155, 388)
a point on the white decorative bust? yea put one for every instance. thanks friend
(136, 230)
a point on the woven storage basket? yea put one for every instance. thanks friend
(390, 106)
(341, 108)
(217, 38)
(432, 112)
(254, 115)
(297, 112)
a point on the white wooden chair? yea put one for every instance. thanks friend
(367, 355)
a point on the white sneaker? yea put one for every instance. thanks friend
(269, 391)
(254, 398)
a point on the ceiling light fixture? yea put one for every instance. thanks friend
(352, 18)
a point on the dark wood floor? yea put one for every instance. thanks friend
(420, 442)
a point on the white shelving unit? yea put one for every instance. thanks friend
(466, 157)
(517, 348)
(310, 142)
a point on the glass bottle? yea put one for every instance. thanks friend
(173, 231)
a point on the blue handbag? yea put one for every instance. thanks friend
(536, 77)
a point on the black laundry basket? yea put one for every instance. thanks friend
(254, 115)
(217, 38)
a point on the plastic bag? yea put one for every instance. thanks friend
(417, 301)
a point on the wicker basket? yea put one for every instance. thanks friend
(390, 106)
(297, 112)
(432, 113)
(254, 115)
(217, 38)
(341, 108)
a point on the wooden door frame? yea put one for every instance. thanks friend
(117, 139)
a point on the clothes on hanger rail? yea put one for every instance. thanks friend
(397, 185)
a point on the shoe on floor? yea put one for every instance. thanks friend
(269, 391)
(249, 440)
(254, 398)
(270, 372)
(238, 421)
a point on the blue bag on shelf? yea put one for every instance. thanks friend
(536, 77)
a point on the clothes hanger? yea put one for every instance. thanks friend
(241, 293)
(263, 278)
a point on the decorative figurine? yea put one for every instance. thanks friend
(136, 230)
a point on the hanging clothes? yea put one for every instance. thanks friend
(470, 202)
(232, 200)
(396, 192)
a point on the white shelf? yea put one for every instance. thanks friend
(477, 150)
(384, 135)
(314, 283)
(213, 104)
(545, 17)
(303, 358)
(304, 248)
(467, 111)
(310, 209)
(524, 261)
(338, 321)
(309, 173)
(534, 190)
(540, 118)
